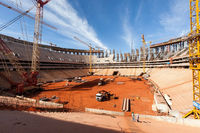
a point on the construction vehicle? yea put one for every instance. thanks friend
(101, 82)
(103, 96)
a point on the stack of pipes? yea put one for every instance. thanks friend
(126, 105)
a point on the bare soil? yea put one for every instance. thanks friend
(78, 96)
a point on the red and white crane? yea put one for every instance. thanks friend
(28, 78)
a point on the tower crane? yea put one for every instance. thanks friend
(90, 57)
(37, 34)
(26, 14)
(28, 79)
(15, 19)
(194, 56)
(144, 43)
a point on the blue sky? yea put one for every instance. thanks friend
(111, 24)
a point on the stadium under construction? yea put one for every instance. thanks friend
(57, 89)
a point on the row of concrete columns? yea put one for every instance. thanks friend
(136, 54)
(171, 47)
(148, 53)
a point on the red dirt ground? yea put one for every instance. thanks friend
(81, 95)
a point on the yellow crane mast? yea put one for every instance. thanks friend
(144, 52)
(90, 57)
(194, 56)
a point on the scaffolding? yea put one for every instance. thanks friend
(194, 56)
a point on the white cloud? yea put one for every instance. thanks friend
(139, 11)
(64, 17)
(127, 29)
(176, 19)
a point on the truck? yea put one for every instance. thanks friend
(103, 96)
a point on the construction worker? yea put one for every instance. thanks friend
(168, 63)
(138, 118)
(133, 116)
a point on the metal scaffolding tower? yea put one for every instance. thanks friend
(194, 56)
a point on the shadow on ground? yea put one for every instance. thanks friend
(22, 122)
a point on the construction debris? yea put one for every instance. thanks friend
(49, 99)
(133, 78)
(120, 83)
(145, 76)
(45, 99)
(78, 80)
(101, 82)
(28, 102)
(105, 81)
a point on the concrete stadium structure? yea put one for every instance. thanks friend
(166, 64)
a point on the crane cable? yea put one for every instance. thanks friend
(5, 66)
(24, 31)
(15, 19)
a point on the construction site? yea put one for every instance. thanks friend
(47, 88)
